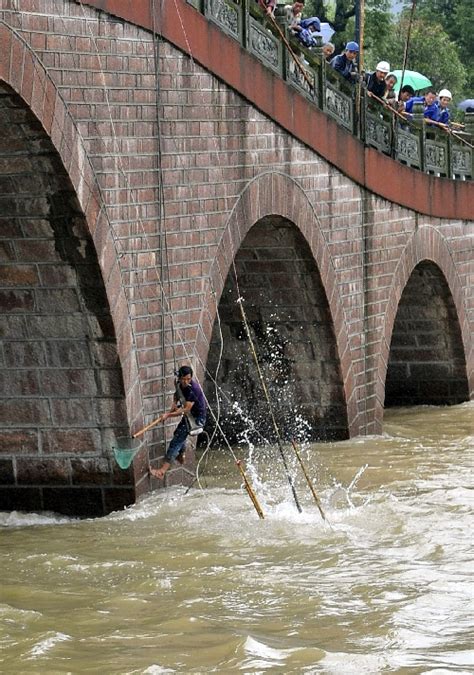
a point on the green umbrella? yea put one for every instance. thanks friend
(411, 77)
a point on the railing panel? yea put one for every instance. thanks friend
(340, 106)
(227, 14)
(308, 85)
(436, 152)
(264, 45)
(378, 130)
(408, 148)
(462, 158)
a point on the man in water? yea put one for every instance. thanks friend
(189, 403)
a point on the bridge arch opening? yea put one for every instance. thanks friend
(61, 388)
(291, 326)
(427, 363)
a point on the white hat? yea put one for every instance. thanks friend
(444, 93)
(383, 66)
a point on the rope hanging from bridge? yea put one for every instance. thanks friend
(270, 407)
(407, 42)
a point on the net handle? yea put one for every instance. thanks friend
(148, 426)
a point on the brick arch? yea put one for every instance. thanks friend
(23, 71)
(427, 243)
(270, 194)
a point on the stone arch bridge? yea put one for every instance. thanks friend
(145, 186)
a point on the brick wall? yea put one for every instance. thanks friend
(61, 390)
(291, 337)
(169, 205)
(427, 363)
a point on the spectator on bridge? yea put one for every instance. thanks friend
(430, 107)
(268, 6)
(328, 51)
(375, 81)
(444, 98)
(390, 96)
(305, 29)
(189, 403)
(345, 63)
(293, 15)
(404, 95)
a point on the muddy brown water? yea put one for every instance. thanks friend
(197, 583)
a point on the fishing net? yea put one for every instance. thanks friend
(125, 449)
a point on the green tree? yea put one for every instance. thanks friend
(341, 15)
(337, 13)
(430, 51)
(457, 19)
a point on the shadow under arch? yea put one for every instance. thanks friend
(428, 346)
(22, 70)
(276, 196)
(74, 379)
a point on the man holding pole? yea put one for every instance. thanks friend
(188, 403)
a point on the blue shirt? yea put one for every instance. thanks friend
(430, 111)
(344, 66)
(443, 115)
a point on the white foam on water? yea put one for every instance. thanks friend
(20, 519)
(47, 644)
(253, 647)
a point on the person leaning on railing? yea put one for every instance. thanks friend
(327, 51)
(345, 63)
(268, 6)
(292, 15)
(430, 107)
(404, 95)
(375, 81)
(444, 98)
(305, 30)
(390, 95)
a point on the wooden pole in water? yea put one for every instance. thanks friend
(250, 491)
(267, 396)
(303, 468)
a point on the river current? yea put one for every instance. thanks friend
(194, 581)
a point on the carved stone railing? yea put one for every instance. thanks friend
(408, 147)
(416, 145)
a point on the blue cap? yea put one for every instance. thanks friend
(352, 47)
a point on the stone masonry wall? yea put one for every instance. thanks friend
(61, 391)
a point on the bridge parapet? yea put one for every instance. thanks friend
(428, 149)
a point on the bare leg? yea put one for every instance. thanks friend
(160, 473)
